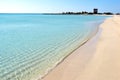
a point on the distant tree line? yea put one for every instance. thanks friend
(87, 13)
(81, 13)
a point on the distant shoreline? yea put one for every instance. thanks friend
(49, 14)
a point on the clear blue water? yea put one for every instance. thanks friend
(30, 45)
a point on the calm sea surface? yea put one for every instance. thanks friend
(32, 44)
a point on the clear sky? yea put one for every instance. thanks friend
(47, 6)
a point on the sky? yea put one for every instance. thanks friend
(52, 6)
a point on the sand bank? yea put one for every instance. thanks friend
(98, 59)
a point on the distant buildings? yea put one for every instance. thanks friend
(95, 11)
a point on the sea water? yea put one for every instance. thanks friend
(32, 44)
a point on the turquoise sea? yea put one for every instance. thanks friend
(32, 44)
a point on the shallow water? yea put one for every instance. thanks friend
(31, 44)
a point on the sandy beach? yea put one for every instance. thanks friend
(98, 59)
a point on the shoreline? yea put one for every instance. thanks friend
(83, 45)
(63, 59)
(78, 65)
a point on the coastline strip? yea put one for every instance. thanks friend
(98, 59)
(79, 55)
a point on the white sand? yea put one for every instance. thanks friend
(98, 59)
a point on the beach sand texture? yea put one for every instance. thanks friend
(98, 59)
